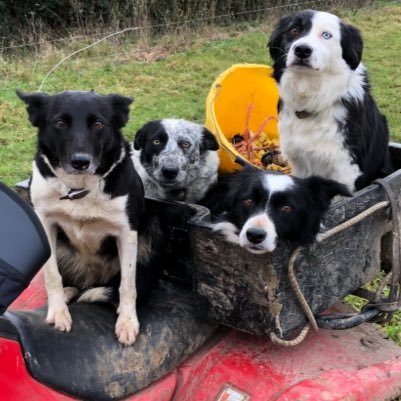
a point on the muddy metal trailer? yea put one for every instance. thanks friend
(207, 331)
(256, 294)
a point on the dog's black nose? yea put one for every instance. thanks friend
(303, 51)
(80, 161)
(255, 235)
(170, 172)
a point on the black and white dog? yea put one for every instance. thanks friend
(176, 159)
(329, 122)
(255, 208)
(89, 198)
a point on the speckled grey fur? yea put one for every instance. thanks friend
(197, 170)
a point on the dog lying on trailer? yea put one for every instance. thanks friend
(256, 208)
(89, 199)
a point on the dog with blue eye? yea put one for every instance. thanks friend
(329, 122)
(176, 159)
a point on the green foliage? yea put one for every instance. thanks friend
(177, 84)
(33, 21)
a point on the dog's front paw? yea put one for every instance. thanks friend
(228, 230)
(59, 317)
(127, 328)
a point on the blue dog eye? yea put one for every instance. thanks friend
(326, 35)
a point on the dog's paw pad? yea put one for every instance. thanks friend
(127, 329)
(60, 318)
(70, 293)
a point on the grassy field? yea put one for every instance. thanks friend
(173, 77)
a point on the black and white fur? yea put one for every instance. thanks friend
(256, 209)
(329, 123)
(89, 198)
(176, 159)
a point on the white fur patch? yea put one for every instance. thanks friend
(315, 146)
(228, 230)
(98, 294)
(277, 182)
(91, 218)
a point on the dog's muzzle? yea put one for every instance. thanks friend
(255, 235)
(170, 173)
(80, 161)
(301, 55)
(303, 52)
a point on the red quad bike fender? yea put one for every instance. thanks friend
(357, 364)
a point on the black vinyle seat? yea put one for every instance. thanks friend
(89, 362)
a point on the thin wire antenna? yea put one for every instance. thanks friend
(54, 68)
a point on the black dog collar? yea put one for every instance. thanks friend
(304, 114)
(74, 193)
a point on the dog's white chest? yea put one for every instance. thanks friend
(315, 146)
(86, 221)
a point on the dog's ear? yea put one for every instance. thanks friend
(352, 45)
(120, 105)
(276, 47)
(140, 138)
(324, 190)
(36, 103)
(274, 43)
(209, 141)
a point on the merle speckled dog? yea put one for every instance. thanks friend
(176, 159)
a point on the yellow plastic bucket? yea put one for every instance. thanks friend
(227, 105)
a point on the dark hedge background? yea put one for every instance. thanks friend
(31, 21)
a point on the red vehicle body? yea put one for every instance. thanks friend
(355, 364)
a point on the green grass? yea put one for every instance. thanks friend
(391, 329)
(177, 84)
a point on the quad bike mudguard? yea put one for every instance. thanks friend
(23, 246)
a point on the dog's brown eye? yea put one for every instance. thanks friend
(286, 209)
(294, 31)
(156, 142)
(59, 124)
(185, 144)
(98, 124)
(248, 202)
